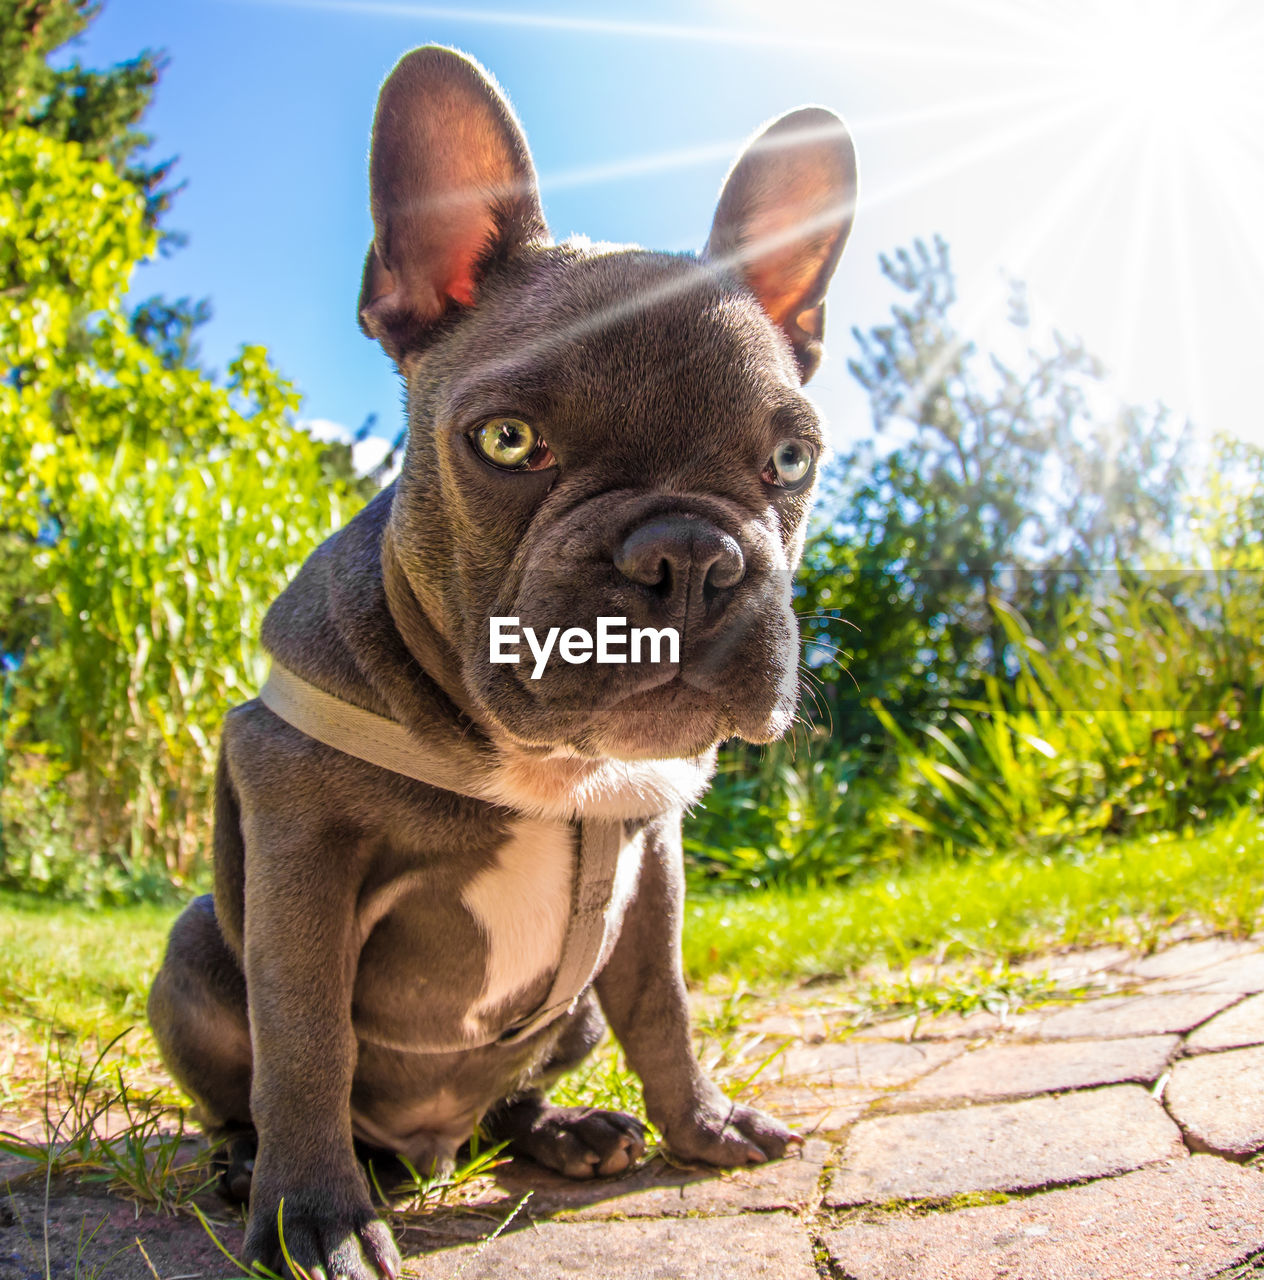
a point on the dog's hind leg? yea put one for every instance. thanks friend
(580, 1142)
(197, 1008)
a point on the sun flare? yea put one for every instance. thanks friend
(1180, 68)
(1116, 147)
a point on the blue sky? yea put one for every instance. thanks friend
(1106, 151)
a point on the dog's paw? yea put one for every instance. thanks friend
(233, 1160)
(324, 1238)
(724, 1134)
(582, 1142)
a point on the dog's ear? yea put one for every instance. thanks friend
(453, 189)
(783, 218)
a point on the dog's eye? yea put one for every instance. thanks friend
(790, 464)
(512, 444)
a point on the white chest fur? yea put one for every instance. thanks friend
(521, 904)
(564, 785)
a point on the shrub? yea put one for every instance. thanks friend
(1145, 715)
(149, 516)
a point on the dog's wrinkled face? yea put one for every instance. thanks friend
(647, 491)
(601, 433)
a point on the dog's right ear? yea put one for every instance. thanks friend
(453, 189)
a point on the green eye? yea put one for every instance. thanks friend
(790, 464)
(512, 444)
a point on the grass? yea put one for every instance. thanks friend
(84, 972)
(98, 1127)
(998, 907)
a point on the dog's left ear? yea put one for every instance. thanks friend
(783, 218)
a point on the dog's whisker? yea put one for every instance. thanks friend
(827, 617)
(834, 658)
(811, 684)
(822, 708)
(820, 699)
(839, 665)
(835, 650)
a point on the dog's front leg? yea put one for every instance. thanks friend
(300, 958)
(642, 991)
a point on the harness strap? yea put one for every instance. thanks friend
(599, 846)
(459, 767)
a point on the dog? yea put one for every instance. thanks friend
(438, 876)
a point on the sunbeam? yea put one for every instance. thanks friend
(1015, 252)
(867, 125)
(896, 47)
(988, 147)
(1137, 253)
(1170, 224)
(1187, 312)
(1104, 150)
(674, 287)
(1239, 204)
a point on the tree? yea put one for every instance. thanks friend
(168, 328)
(97, 109)
(1011, 479)
(1231, 513)
(100, 110)
(148, 512)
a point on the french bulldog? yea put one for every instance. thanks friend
(595, 432)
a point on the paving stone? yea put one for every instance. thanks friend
(872, 1064)
(947, 1026)
(1190, 957)
(657, 1189)
(1076, 964)
(812, 1108)
(1006, 1146)
(833, 994)
(1143, 1015)
(1241, 976)
(763, 1247)
(1016, 1070)
(809, 1027)
(1192, 1218)
(1217, 1100)
(1237, 1027)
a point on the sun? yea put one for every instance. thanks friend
(1111, 149)
(1181, 69)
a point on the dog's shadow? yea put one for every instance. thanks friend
(521, 1193)
(555, 1193)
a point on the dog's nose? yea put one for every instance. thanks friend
(676, 554)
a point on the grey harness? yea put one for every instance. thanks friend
(387, 744)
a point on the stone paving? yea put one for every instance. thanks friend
(1114, 1136)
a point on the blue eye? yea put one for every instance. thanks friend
(790, 464)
